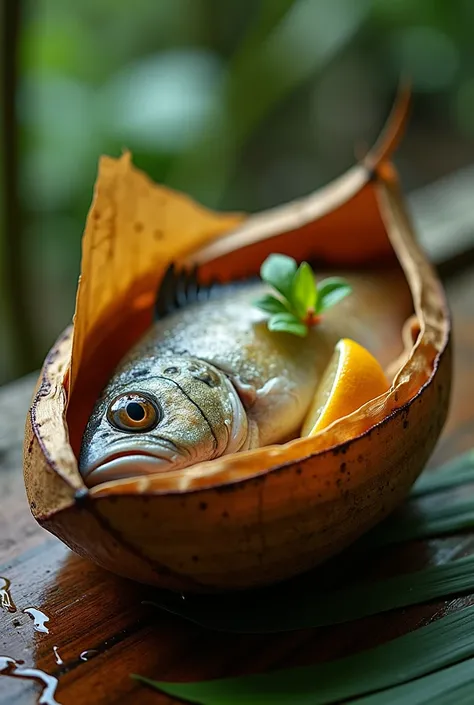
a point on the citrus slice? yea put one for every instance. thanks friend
(352, 378)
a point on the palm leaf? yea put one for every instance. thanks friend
(436, 646)
(266, 611)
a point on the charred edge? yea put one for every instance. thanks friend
(158, 568)
(42, 391)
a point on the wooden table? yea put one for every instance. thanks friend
(90, 609)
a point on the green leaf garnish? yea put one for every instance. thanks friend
(279, 271)
(331, 291)
(288, 323)
(304, 293)
(270, 304)
(302, 299)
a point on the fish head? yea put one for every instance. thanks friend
(161, 415)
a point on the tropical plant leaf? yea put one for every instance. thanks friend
(451, 474)
(421, 521)
(266, 612)
(437, 646)
(449, 686)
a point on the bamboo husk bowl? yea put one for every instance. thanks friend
(260, 516)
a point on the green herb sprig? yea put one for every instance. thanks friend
(301, 299)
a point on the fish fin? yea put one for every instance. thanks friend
(177, 289)
(181, 287)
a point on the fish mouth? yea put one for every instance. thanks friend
(130, 463)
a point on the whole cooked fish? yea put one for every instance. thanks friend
(207, 379)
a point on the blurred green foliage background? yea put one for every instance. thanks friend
(243, 103)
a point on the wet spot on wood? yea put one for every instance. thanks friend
(343, 467)
(225, 515)
(195, 559)
(405, 424)
(299, 471)
(203, 506)
(158, 234)
(138, 227)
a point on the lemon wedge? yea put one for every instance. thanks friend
(352, 377)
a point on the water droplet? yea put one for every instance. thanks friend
(88, 654)
(6, 601)
(12, 668)
(39, 619)
(183, 597)
(58, 658)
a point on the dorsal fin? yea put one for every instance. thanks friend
(178, 288)
(181, 287)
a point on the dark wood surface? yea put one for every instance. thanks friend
(90, 609)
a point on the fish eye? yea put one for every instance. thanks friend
(133, 412)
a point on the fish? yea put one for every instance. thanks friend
(207, 379)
